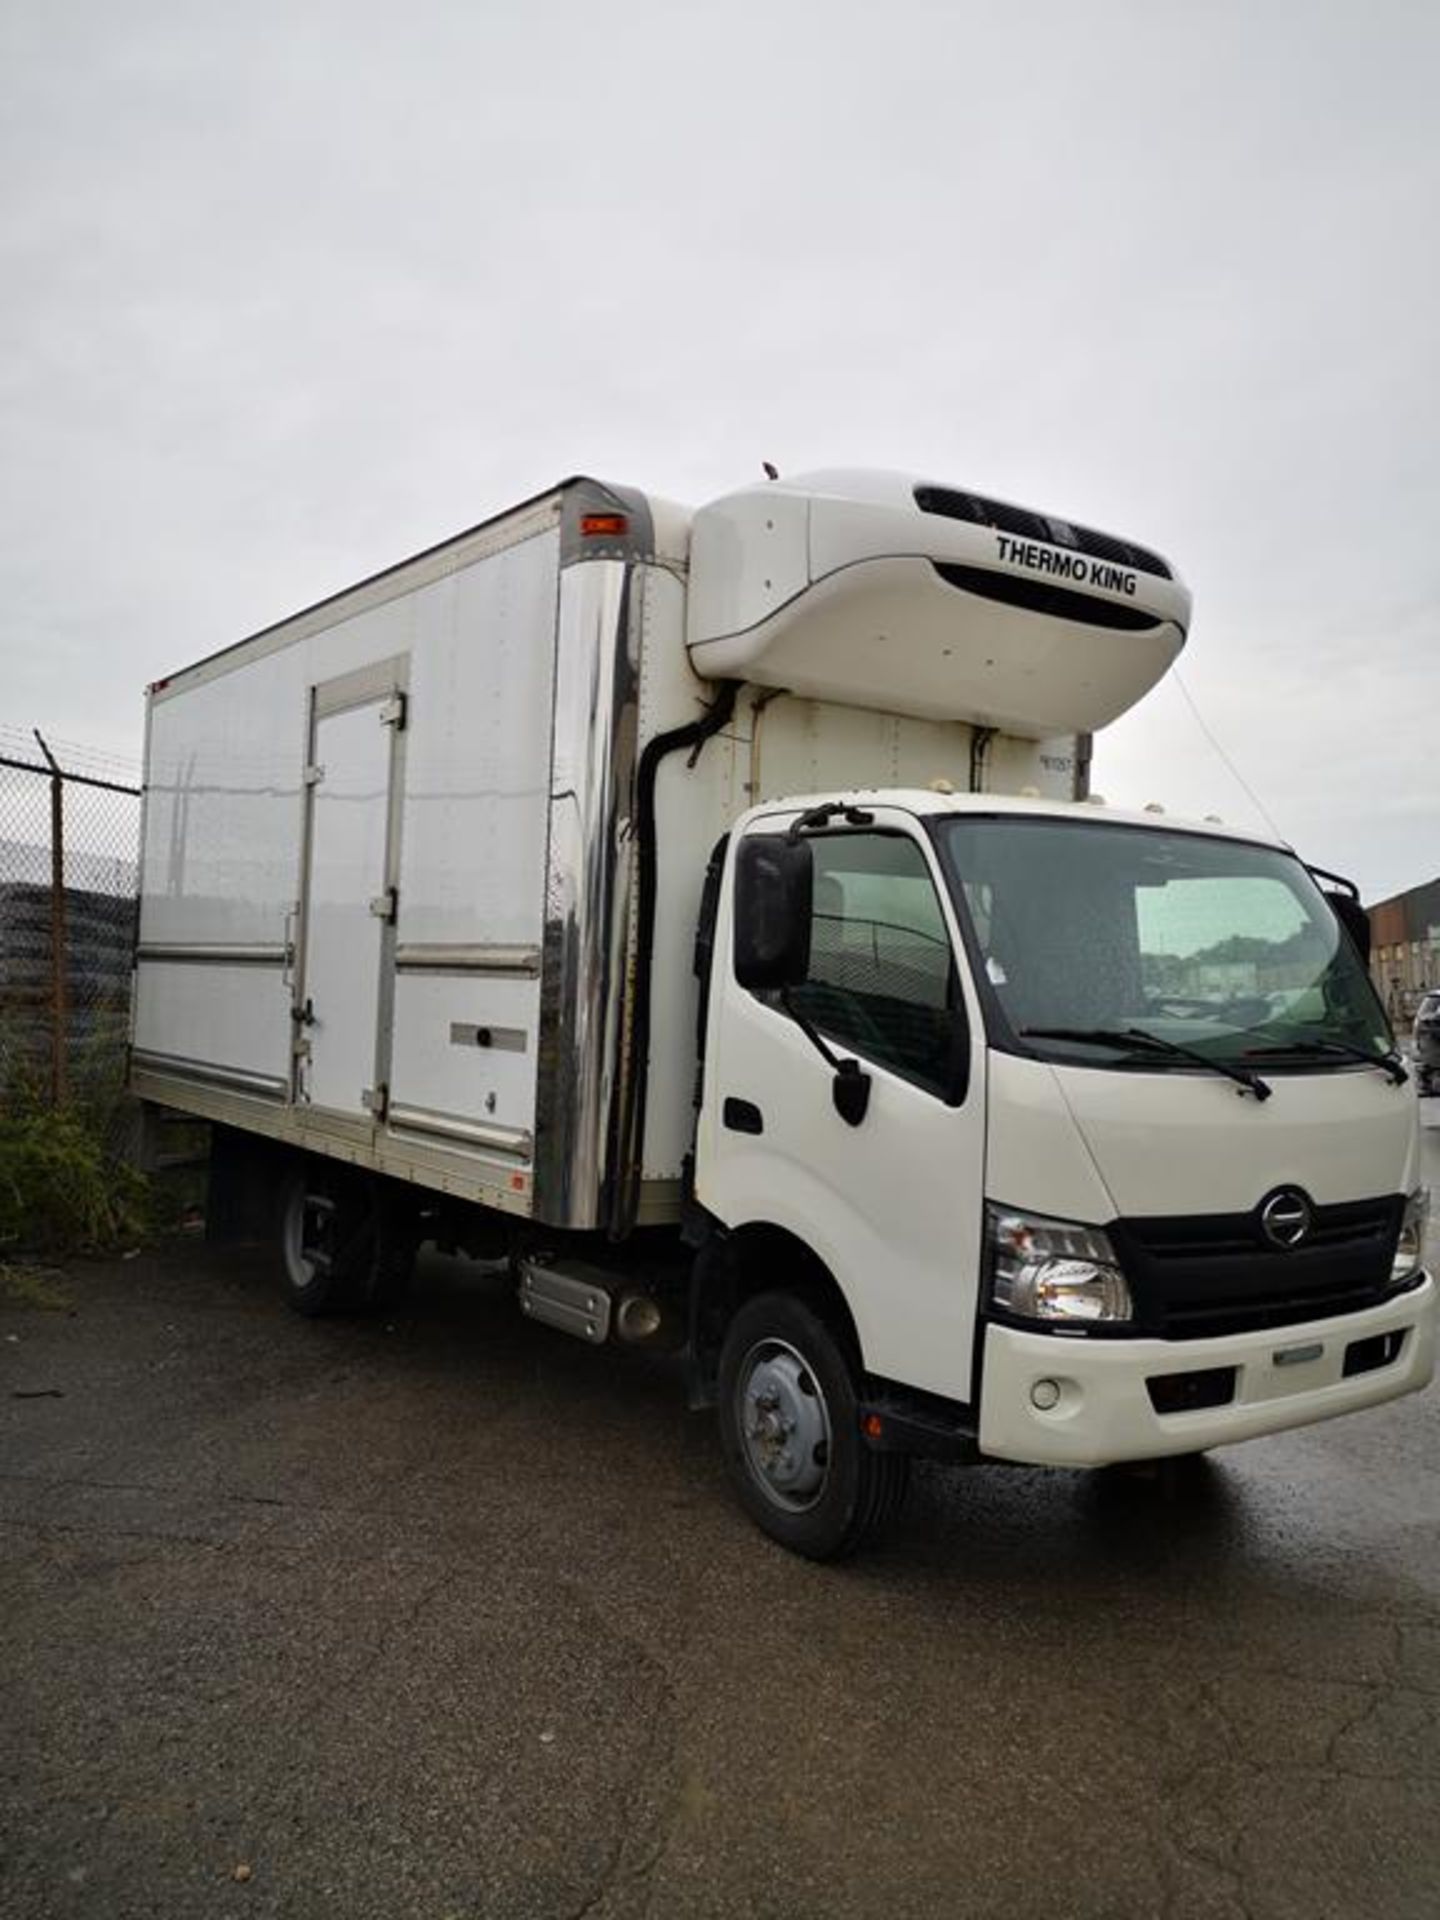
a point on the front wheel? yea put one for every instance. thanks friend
(790, 1428)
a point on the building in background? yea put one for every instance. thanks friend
(1405, 947)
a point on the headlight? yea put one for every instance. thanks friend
(1053, 1270)
(1410, 1247)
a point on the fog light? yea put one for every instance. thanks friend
(1045, 1395)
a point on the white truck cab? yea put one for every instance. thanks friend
(702, 913)
(1092, 1119)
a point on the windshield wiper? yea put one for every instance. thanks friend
(1137, 1040)
(1389, 1063)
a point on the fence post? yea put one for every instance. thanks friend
(59, 942)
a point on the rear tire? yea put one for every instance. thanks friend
(327, 1240)
(398, 1231)
(790, 1428)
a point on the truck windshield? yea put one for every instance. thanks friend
(1085, 933)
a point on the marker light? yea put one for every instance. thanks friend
(604, 526)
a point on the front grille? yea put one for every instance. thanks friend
(1198, 1277)
(1027, 525)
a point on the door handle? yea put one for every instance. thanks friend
(742, 1116)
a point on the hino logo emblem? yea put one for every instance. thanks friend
(1285, 1218)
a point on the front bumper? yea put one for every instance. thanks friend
(1104, 1411)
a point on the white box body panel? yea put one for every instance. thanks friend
(272, 832)
(484, 1080)
(223, 786)
(232, 1019)
(477, 799)
(494, 1011)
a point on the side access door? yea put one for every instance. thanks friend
(344, 982)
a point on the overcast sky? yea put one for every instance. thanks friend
(292, 291)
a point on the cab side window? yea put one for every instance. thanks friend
(882, 975)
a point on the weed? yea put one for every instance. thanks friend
(63, 1188)
(36, 1287)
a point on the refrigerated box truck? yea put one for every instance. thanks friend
(703, 915)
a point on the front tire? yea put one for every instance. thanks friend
(790, 1428)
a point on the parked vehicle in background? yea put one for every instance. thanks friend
(703, 913)
(1425, 1043)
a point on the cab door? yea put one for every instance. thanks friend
(893, 1205)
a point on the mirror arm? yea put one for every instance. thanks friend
(851, 1086)
(812, 1034)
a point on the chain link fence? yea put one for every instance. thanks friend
(69, 852)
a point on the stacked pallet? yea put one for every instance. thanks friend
(99, 942)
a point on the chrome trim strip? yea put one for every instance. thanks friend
(213, 953)
(265, 1086)
(440, 956)
(589, 864)
(453, 1126)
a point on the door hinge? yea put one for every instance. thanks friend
(393, 713)
(376, 1100)
(386, 906)
(313, 775)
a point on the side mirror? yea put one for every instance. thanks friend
(1344, 898)
(774, 880)
(1354, 919)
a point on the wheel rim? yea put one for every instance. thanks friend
(784, 1425)
(309, 1226)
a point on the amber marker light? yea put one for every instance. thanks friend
(604, 526)
(872, 1426)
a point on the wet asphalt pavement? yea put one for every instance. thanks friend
(448, 1616)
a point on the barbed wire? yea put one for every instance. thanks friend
(101, 763)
